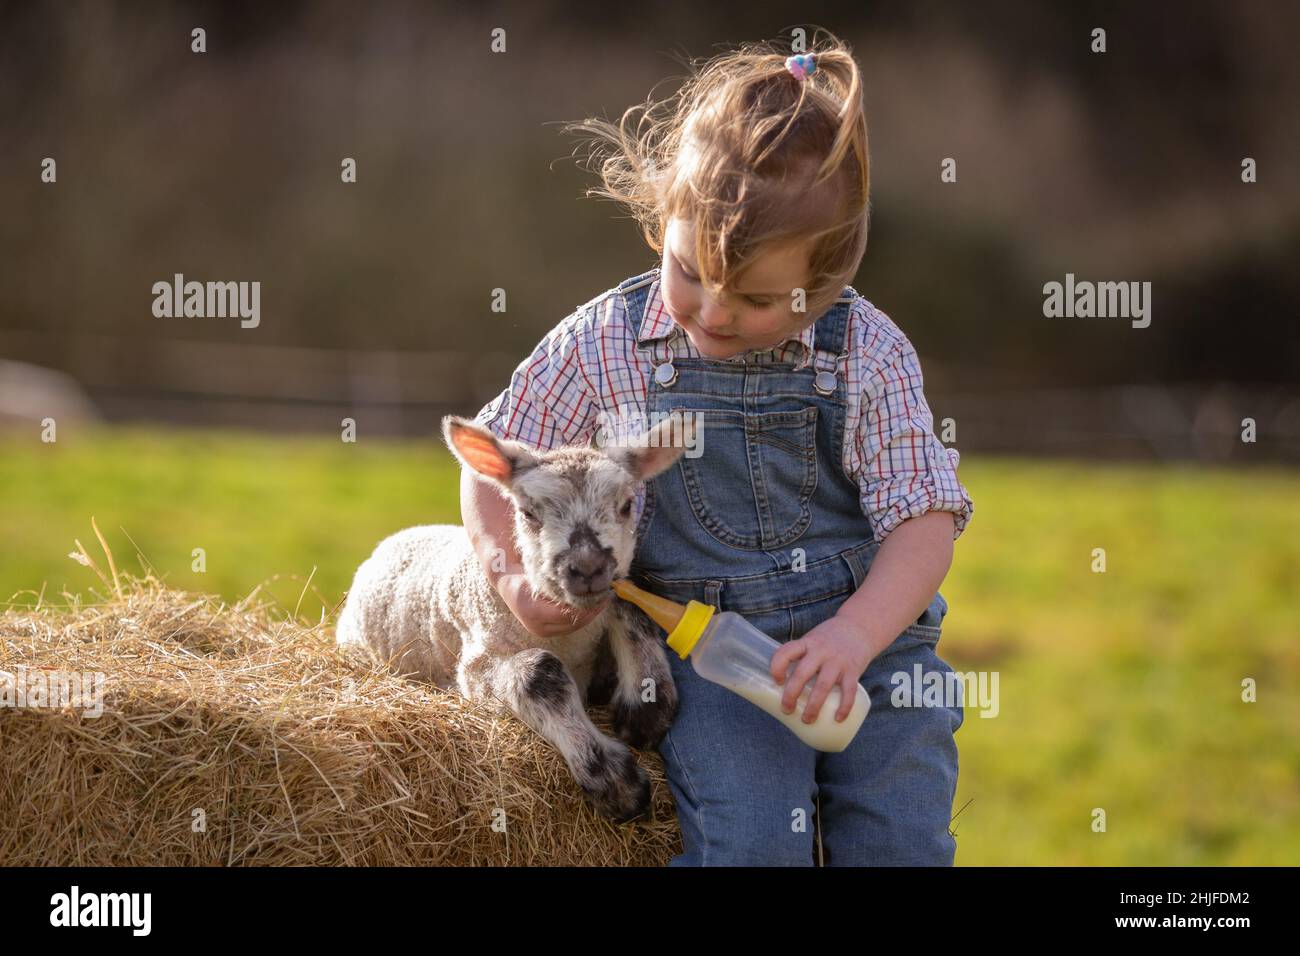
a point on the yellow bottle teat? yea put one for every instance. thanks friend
(684, 624)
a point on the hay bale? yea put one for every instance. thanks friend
(233, 735)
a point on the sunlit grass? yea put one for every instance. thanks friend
(1122, 690)
(260, 507)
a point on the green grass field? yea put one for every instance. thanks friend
(1118, 690)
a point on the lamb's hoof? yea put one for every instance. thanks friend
(643, 725)
(620, 789)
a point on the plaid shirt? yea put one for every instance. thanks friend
(588, 365)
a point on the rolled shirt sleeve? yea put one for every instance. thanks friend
(549, 402)
(906, 471)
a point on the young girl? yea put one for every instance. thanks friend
(822, 507)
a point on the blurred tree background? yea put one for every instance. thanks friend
(1123, 165)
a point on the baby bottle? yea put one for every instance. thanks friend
(725, 648)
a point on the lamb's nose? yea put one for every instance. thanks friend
(587, 564)
(590, 570)
(590, 566)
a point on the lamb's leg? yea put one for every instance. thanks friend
(535, 685)
(604, 676)
(644, 701)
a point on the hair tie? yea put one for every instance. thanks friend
(801, 65)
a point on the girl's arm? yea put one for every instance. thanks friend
(904, 575)
(917, 506)
(489, 520)
(905, 470)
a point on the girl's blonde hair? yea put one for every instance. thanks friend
(754, 157)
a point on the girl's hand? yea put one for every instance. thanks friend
(541, 616)
(835, 653)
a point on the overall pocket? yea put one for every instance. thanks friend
(751, 486)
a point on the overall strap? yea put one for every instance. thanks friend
(831, 342)
(635, 292)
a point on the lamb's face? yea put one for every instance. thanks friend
(574, 522)
(575, 525)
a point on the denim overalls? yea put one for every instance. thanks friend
(766, 523)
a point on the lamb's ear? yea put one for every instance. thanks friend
(658, 449)
(477, 448)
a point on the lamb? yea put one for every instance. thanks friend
(423, 604)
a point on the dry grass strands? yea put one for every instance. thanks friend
(235, 736)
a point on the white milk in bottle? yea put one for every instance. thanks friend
(728, 650)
